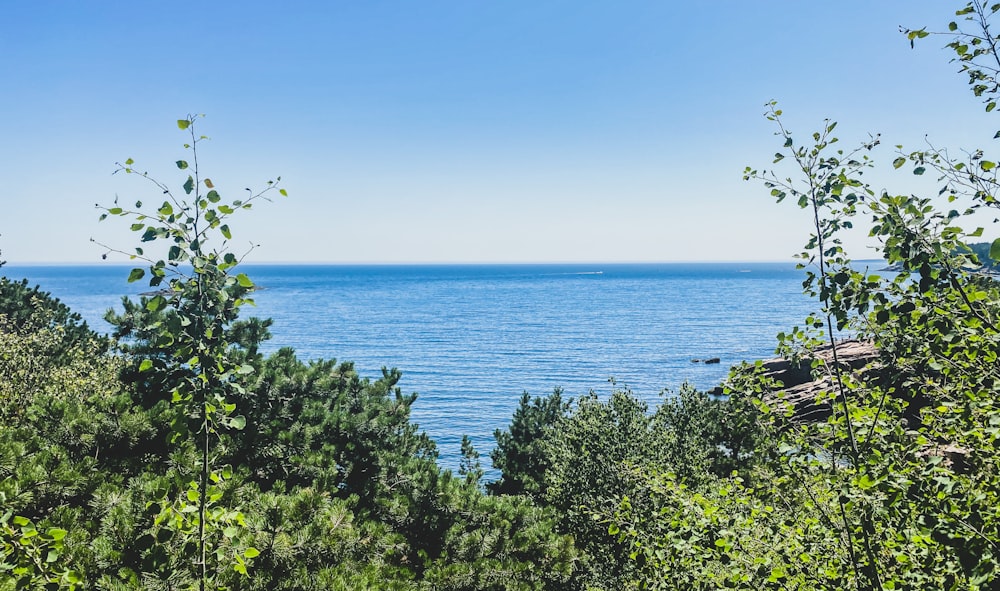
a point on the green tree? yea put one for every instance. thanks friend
(194, 359)
(46, 372)
(519, 453)
(706, 435)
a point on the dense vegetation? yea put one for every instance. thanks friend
(174, 455)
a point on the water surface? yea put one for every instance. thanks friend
(471, 338)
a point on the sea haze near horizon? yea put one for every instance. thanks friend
(470, 339)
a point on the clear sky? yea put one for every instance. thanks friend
(460, 131)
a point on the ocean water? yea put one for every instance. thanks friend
(470, 339)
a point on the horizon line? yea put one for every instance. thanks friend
(437, 263)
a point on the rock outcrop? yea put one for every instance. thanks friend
(802, 383)
(801, 386)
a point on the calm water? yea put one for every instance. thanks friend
(471, 338)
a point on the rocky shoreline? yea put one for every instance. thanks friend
(801, 382)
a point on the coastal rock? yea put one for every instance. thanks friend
(801, 389)
(808, 393)
(806, 389)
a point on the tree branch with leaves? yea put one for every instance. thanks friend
(200, 294)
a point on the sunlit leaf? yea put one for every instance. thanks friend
(995, 250)
(155, 303)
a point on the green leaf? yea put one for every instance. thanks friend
(213, 196)
(225, 231)
(183, 123)
(189, 186)
(251, 552)
(995, 250)
(136, 275)
(987, 165)
(244, 281)
(145, 365)
(182, 164)
(898, 162)
(919, 170)
(283, 192)
(156, 303)
(238, 422)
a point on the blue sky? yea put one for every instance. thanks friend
(453, 131)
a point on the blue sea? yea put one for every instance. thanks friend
(470, 339)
